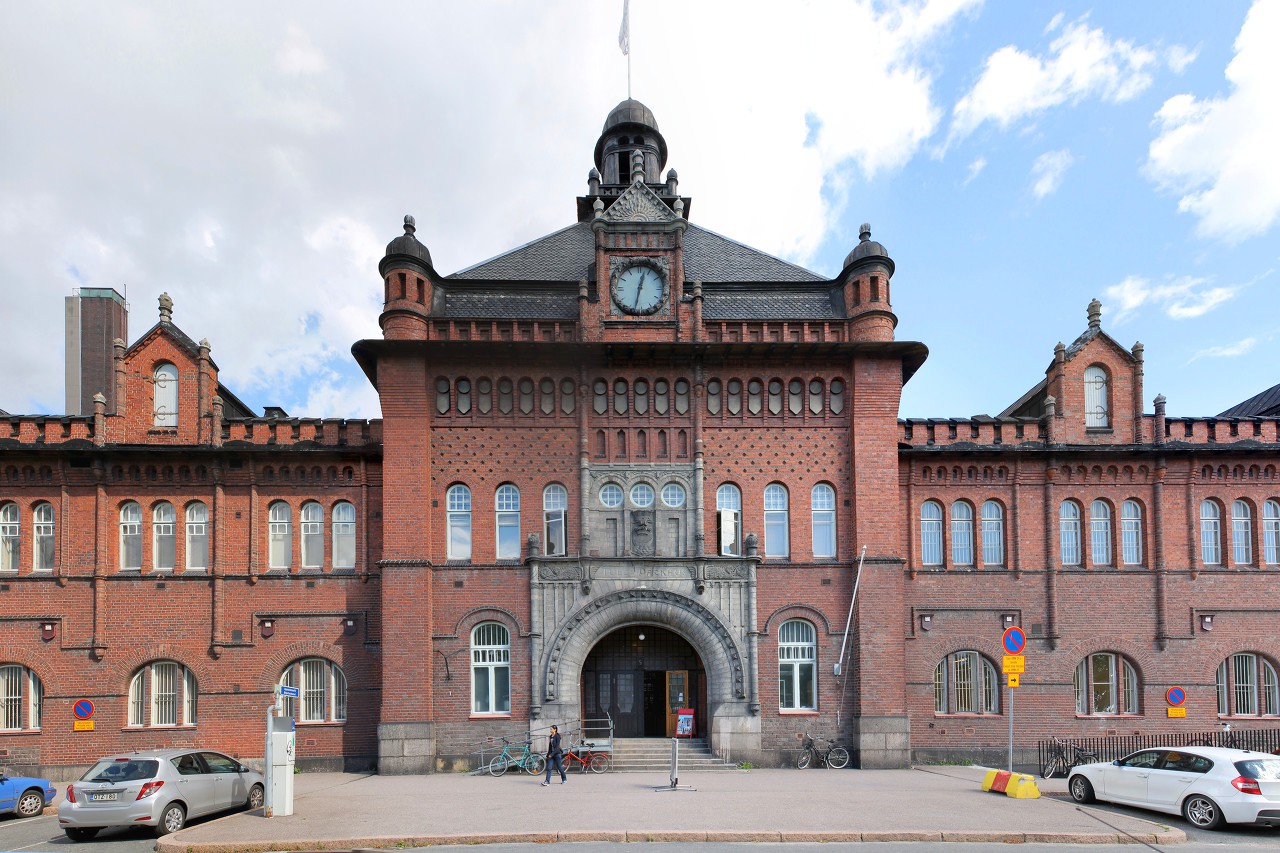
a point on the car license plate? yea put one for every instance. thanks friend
(98, 798)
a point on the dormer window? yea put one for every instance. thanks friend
(1097, 409)
(166, 397)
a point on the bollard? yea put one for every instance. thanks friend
(1017, 785)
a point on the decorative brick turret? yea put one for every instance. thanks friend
(867, 270)
(407, 290)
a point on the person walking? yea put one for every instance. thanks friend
(555, 757)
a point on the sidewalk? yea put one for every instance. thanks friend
(336, 811)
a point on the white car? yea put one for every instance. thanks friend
(1208, 785)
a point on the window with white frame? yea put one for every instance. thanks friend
(555, 510)
(1097, 414)
(1210, 533)
(1131, 533)
(931, 533)
(10, 537)
(797, 666)
(1248, 686)
(729, 519)
(164, 541)
(1241, 534)
(992, 534)
(279, 535)
(961, 534)
(131, 537)
(458, 519)
(777, 525)
(1099, 533)
(311, 520)
(965, 682)
(1271, 532)
(823, 523)
(322, 691)
(42, 531)
(163, 693)
(490, 669)
(1106, 683)
(21, 698)
(166, 397)
(507, 506)
(1069, 533)
(343, 527)
(197, 537)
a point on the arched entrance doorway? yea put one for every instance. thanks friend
(641, 676)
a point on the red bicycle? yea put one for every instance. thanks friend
(587, 758)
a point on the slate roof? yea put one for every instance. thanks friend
(1264, 405)
(503, 301)
(790, 303)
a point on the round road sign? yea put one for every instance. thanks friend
(83, 709)
(1014, 640)
(1175, 696)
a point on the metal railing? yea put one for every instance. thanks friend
(1111, 747)
(598, 731)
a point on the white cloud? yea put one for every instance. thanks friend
(298, 55)
(1219, 154)
(1239, 348)
(1180, 298)
(1048, 171)
(975, 169)
(1179, 57)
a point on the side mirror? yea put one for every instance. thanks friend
(1116, 762)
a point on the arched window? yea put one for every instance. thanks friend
(661, 396)
(343, 525)
(733, 396)
(166, 397)
(1210, 533)
(197, 537)
(490, 669)
(442, 395)
(1241, 534)
(642, 397)
(43, 530)
(1097, 409)
(164, 537)
(131, 537)
(163, 693)
(992, 534)
(837, 396)
(931, 533)
(682, 396)
(729, 519)
(961, 534)
(777, 537)
(797, 666)
(322, 691)
(1248, 686)
(463, 386)
(713, 397)
(1069, 532)
(311, 521)
(507, 504)
(10, 537)
(775, 396)
(620, 396)
(458, 511)
(279, 535)
(965, 683)
(1271, 532)
(555, 511)
(1106, 683)
(1131, 533)
(21, 698)
(547, 396)
(824, 521)
(1099, 533)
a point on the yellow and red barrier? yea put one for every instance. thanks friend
(1020, 786)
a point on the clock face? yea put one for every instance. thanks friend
(639, 290)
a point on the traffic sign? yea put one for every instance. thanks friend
(291, 692)
(1175, 696)
(1014, 640)
(1014, 664)
(83, 709)
(1014, 680)
(1176, 712)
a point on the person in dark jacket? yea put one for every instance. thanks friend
(555, 757)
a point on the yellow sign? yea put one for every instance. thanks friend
(1014, 664)
(1177, 712)
(82, 725)
(1014, 679)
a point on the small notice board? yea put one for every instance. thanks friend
(684, 722)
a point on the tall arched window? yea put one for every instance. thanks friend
(131, 537)
(1069, 532)
(797, 666)
(166, 397)
(1131, 533)
(555, 511)
(992, 534)
(1099, 533)
(311, 521)
(1241, 534)
(729, 519)
(1248, 686)
(458, 503)
(965, 683)
(507, 504)
(961, 534)
(1097, 408)
(777, 536)
(280, 535)
(823, 523)
(197, 537)
(1210, 533)
(163, 693)
(1106, 683)
(10, 537)
(343, 525)
(931, 533)
(322, 691)
(44, 540)
(1271, 532)
(490, 669)
(21, 698)
(164, 537)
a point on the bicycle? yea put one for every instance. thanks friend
(1227, 739)
(523, 757)
(1065, 756)
(835, 757)
(596, 762)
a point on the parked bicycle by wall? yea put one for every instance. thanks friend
(1227, 739)
(517, 756)
(833, 756)
(585, 756)
(1064, 756)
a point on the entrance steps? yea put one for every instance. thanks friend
(653, 755)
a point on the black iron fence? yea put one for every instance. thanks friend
(1111, 747)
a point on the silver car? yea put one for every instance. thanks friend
(160, 788)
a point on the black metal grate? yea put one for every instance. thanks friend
(1111, 747)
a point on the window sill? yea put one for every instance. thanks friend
(490, 716)
(312, 724)
(798, 712)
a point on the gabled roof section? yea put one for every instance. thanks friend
(1264, 405)
(638, 203)
(164, 327)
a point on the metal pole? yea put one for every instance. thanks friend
(1010, 689)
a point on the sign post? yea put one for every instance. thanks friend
(1014, 641)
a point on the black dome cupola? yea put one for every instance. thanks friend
(630, 127)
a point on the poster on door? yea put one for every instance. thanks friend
(684, 722)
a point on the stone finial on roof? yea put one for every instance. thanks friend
(864, 232)
(1138, 350)
(410, 225)
(166, 308)
(1095, 314)
(637, 166)
(1160, 401)
(593, 181)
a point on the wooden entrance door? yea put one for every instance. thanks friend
(614, 695)
(677, 696)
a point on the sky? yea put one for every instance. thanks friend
(1017, 159)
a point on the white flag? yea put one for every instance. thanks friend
(624, 34)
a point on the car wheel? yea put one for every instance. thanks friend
(31, 804)
(1201, 811)
(838, 758)
(80, 833)
(173, 818)
(256, 798)
(1081, 789)
(805, 758)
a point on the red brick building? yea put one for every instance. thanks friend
(630, 467)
